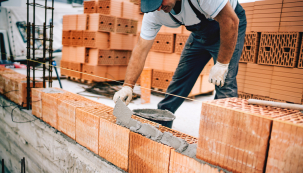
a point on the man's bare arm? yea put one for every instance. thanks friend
(229, 23)
(137, 61)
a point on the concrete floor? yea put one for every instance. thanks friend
(188, 115)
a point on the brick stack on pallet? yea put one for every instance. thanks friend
(164, 58)
(14, 86)
(99, 42)
(93, 126)
(250, 138)
(271, 50)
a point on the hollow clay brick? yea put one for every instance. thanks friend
(123, 25)
(164, 43)
(88, 125)
(114, 143)
(111, 8)
(89, 70)
(113, 73)
(67, 114)
(133, 27)
(90, 6)
(232, 137)
(145, 154)
(2, 80)
(82, 22)
(155, 60)
(80, 55)
(50, 106)
(64, 66)
(37, 102)
(66, 38)
(251, 47)
(171, 61)
(180, 42)
(77, 38)
(146, 79)
(76, 70)
(127, 10)
(98, 40)
(100, 22)
(280, 49)
(106, 57)
(121, 41)
(161, 79)
(92, 56)
(285, 151)
(121, 57)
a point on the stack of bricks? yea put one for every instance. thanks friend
(291, 17)
(271, 83)
(251, 47)
(249, 11)
(165, 56)
(280, 49)
(241, 137)
(266, 16)
(14, 86)
(93, 126)
(99, 42)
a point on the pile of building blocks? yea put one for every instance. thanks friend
(14, 86)
(273, 48)
(99, 42)
(250, 138)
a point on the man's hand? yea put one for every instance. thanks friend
(125, 94)
(218, 74)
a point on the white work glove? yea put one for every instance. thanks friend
(125, 94)
(218, 74)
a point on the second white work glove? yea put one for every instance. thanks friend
(218, 74)
(125, 94)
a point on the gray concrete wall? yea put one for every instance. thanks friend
(45, 149)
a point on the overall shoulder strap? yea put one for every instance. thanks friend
(197, 12)
(175, 19)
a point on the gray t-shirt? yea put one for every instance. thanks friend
(153, 21)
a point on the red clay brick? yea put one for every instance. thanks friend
(88, 125)
(111, 8)
(50, 106)
(90, 6)
(245, 136)
(161, 79)
(37, 102)
(146, 79)
(77, 38)
(145, 154)
(67, 114)
(114, 143)
(76, 70)
(285, 148)
(82, 23)
(180, 42)
(98, 40)
(164, 43)
(66, 38)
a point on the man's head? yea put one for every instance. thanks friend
(152, 5)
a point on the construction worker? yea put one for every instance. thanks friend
(218, 30)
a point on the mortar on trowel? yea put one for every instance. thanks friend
(163, 117)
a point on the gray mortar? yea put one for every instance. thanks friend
(155, 114)
(149, 131)
(173, 141)
(52, 90)
(122, 112)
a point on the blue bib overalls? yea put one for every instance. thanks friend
(202, 44)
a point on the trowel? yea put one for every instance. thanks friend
(122, 112)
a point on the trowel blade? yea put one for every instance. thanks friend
(122, 112)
